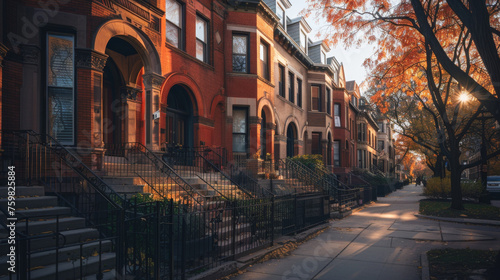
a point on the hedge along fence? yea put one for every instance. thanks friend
(441, 189)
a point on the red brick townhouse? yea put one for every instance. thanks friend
(102, 72)
(235, 74)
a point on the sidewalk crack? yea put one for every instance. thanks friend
(340, 251)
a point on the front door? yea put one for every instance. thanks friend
(176, 128)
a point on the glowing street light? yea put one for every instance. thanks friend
(464, 97)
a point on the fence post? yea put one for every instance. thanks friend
(157, 242)
(233, 233)
(171, 238)
(120, 246)
(296, 213)
(22, 256)
(183, 244)
(272, 219)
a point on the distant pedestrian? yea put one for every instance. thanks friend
(418, 180)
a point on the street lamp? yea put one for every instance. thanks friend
(464, 97)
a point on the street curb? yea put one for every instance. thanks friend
(254, 258)
(462, 220)
(424, 262)
(281, 243)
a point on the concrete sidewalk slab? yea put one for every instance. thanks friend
(294, 266)
(382, 241)
(360, 270)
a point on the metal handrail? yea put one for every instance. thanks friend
(135, 159)
(218, 170)
(343, 196)
(236, 175)
(71, 161)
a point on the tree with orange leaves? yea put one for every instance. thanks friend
(427, 50)
(440, 24)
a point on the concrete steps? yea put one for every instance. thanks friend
(49, 225)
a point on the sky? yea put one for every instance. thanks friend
(352, 58)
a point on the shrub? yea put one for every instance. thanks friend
(471, 190)
(438, 188)
(311, 161)
(441, 189)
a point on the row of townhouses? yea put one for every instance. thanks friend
(241, 75)
(104, 100)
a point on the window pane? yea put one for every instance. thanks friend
(336, 110)
(60, 115)
(60, 61)
(239, 143)
(173, 12)
(336, 153)
(239, 121)
(172, 33)
(239, 63)
(281, 14)
(200, 50)
(303, 40)
(263, 52)
(315, 97)
(201, 29)
(240, 44)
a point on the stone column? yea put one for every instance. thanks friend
(132, 102)
(90, 65)
(152, 87)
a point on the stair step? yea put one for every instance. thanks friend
(38, 227)
(23, 191)
(32, 202)
(128, 189)
(67, 253)
(71, 270)
(40, 212)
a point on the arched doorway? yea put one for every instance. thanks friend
(179, 121)
(291, 136)
(120, 97)
(263, 132)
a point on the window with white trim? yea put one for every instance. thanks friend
(240, 53)
(174, 23)
(303, 41)
(201, 39)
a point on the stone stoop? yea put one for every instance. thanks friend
(79, 246)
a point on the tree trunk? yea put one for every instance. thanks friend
(456, 173)
(438, 168)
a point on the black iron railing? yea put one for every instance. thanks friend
(211, 167)
(41, 160)
(165, 241)
(293, 179)
(343, 197)
(133, 164)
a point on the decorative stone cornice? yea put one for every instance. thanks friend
(130, 94)
(30, 54)
(254, 120)
(87, 58)
(204, 121)
(271, 126)
(153, 80)
(280, 138)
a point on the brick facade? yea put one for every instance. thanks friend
(127, 74)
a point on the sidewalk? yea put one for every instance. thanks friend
(382, 241)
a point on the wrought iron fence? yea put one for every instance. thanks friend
(41, 160)
(165, 241)
(139, 237)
